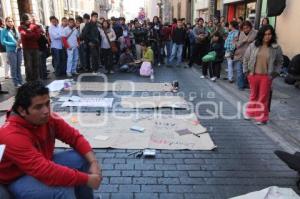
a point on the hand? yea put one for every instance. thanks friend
(94, 181)
(95, 168)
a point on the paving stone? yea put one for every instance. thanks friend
(171, 196)
(132, 173)
(154, 188)
(146, 196)
(109, 188)
(120, 180)
(121, 195)
(168, 181)
(144, 180)
(130, 188)
(124, 166)
(152, 173)
(175, 173)
(165, 167)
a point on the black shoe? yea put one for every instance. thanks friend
(3, 92)
(292, 160)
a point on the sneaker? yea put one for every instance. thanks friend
(246, 117)
(202, 77)
(112, 72)
(213, 79)
(69, 75)
(260, 123)
(75, 73)
(7, 77)
(231, 81)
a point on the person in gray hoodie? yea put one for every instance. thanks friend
(262, 62)
(244, 39)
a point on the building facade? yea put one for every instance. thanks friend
(43, 9)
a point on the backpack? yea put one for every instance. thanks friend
(146, 69)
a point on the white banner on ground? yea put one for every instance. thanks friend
(88, 102)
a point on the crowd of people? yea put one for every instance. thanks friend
(90, 43)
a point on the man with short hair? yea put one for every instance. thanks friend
(55, 32)
(92, 37)
(30, 35)
(84, 48)
(70, 40)
(30, 168)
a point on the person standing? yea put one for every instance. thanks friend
(84, 47)
(178, 39)
(201, 46)
(55, 33)
(91, 35)
(10, 37)
(156, 40)
(262, 62)
(3, 54)
(245, 38)
(140, 35)
(30, 35)
(70, 40)
(108, 35)
(230, 48)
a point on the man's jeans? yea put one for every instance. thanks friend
(169, 49)
(32, 64)
(15, 60)
(230, 69)
(72, 60)
(84, 56)
(28, 187)
(57, 61)
(176, 52)
(240, 74)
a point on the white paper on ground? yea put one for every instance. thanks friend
(101, 137)
(273, 192)
(56, 85)
(2, 148)
(90, 102)
(73, 98)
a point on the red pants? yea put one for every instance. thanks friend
(258, 105)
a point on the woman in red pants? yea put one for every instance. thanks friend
(262, 62)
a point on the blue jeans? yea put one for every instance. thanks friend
(176, 52)
(72, 60)
(240, 74)
(57, 61)
(28, 187)
(169, 49)
(15, 60)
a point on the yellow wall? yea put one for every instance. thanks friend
(288, 28)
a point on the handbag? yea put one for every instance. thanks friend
(210, 57)
(113, 45)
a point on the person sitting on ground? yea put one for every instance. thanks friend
(148, 55)
(30, 168)
(126, 61)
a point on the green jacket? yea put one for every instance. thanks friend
(148, 55)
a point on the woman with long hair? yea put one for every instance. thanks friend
(262, 62)
(156, 40)
(108, 36)
(3, 54)
(10, 37)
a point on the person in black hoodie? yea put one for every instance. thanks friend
(214, 67)
(91, 36)
(178, 38)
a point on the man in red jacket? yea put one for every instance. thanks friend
(30, 168)
(30, 35)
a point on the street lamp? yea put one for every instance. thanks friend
(160, 4)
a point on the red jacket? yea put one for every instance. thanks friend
(30, 36)
(29, 151)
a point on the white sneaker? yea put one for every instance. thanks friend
(202, 77)
(213, 79)
(246, 117)
(260, 123)
(69, 75)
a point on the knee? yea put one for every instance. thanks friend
(64, 193)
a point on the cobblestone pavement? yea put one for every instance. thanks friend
(243, 162)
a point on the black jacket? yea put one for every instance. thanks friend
(140, 35)
(90, 33)
(179, 35)
(219, 49)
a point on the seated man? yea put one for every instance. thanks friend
(126, 61)
(29, 167)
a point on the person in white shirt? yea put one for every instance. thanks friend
(70, 41)
(108, 36)
(55, 33)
